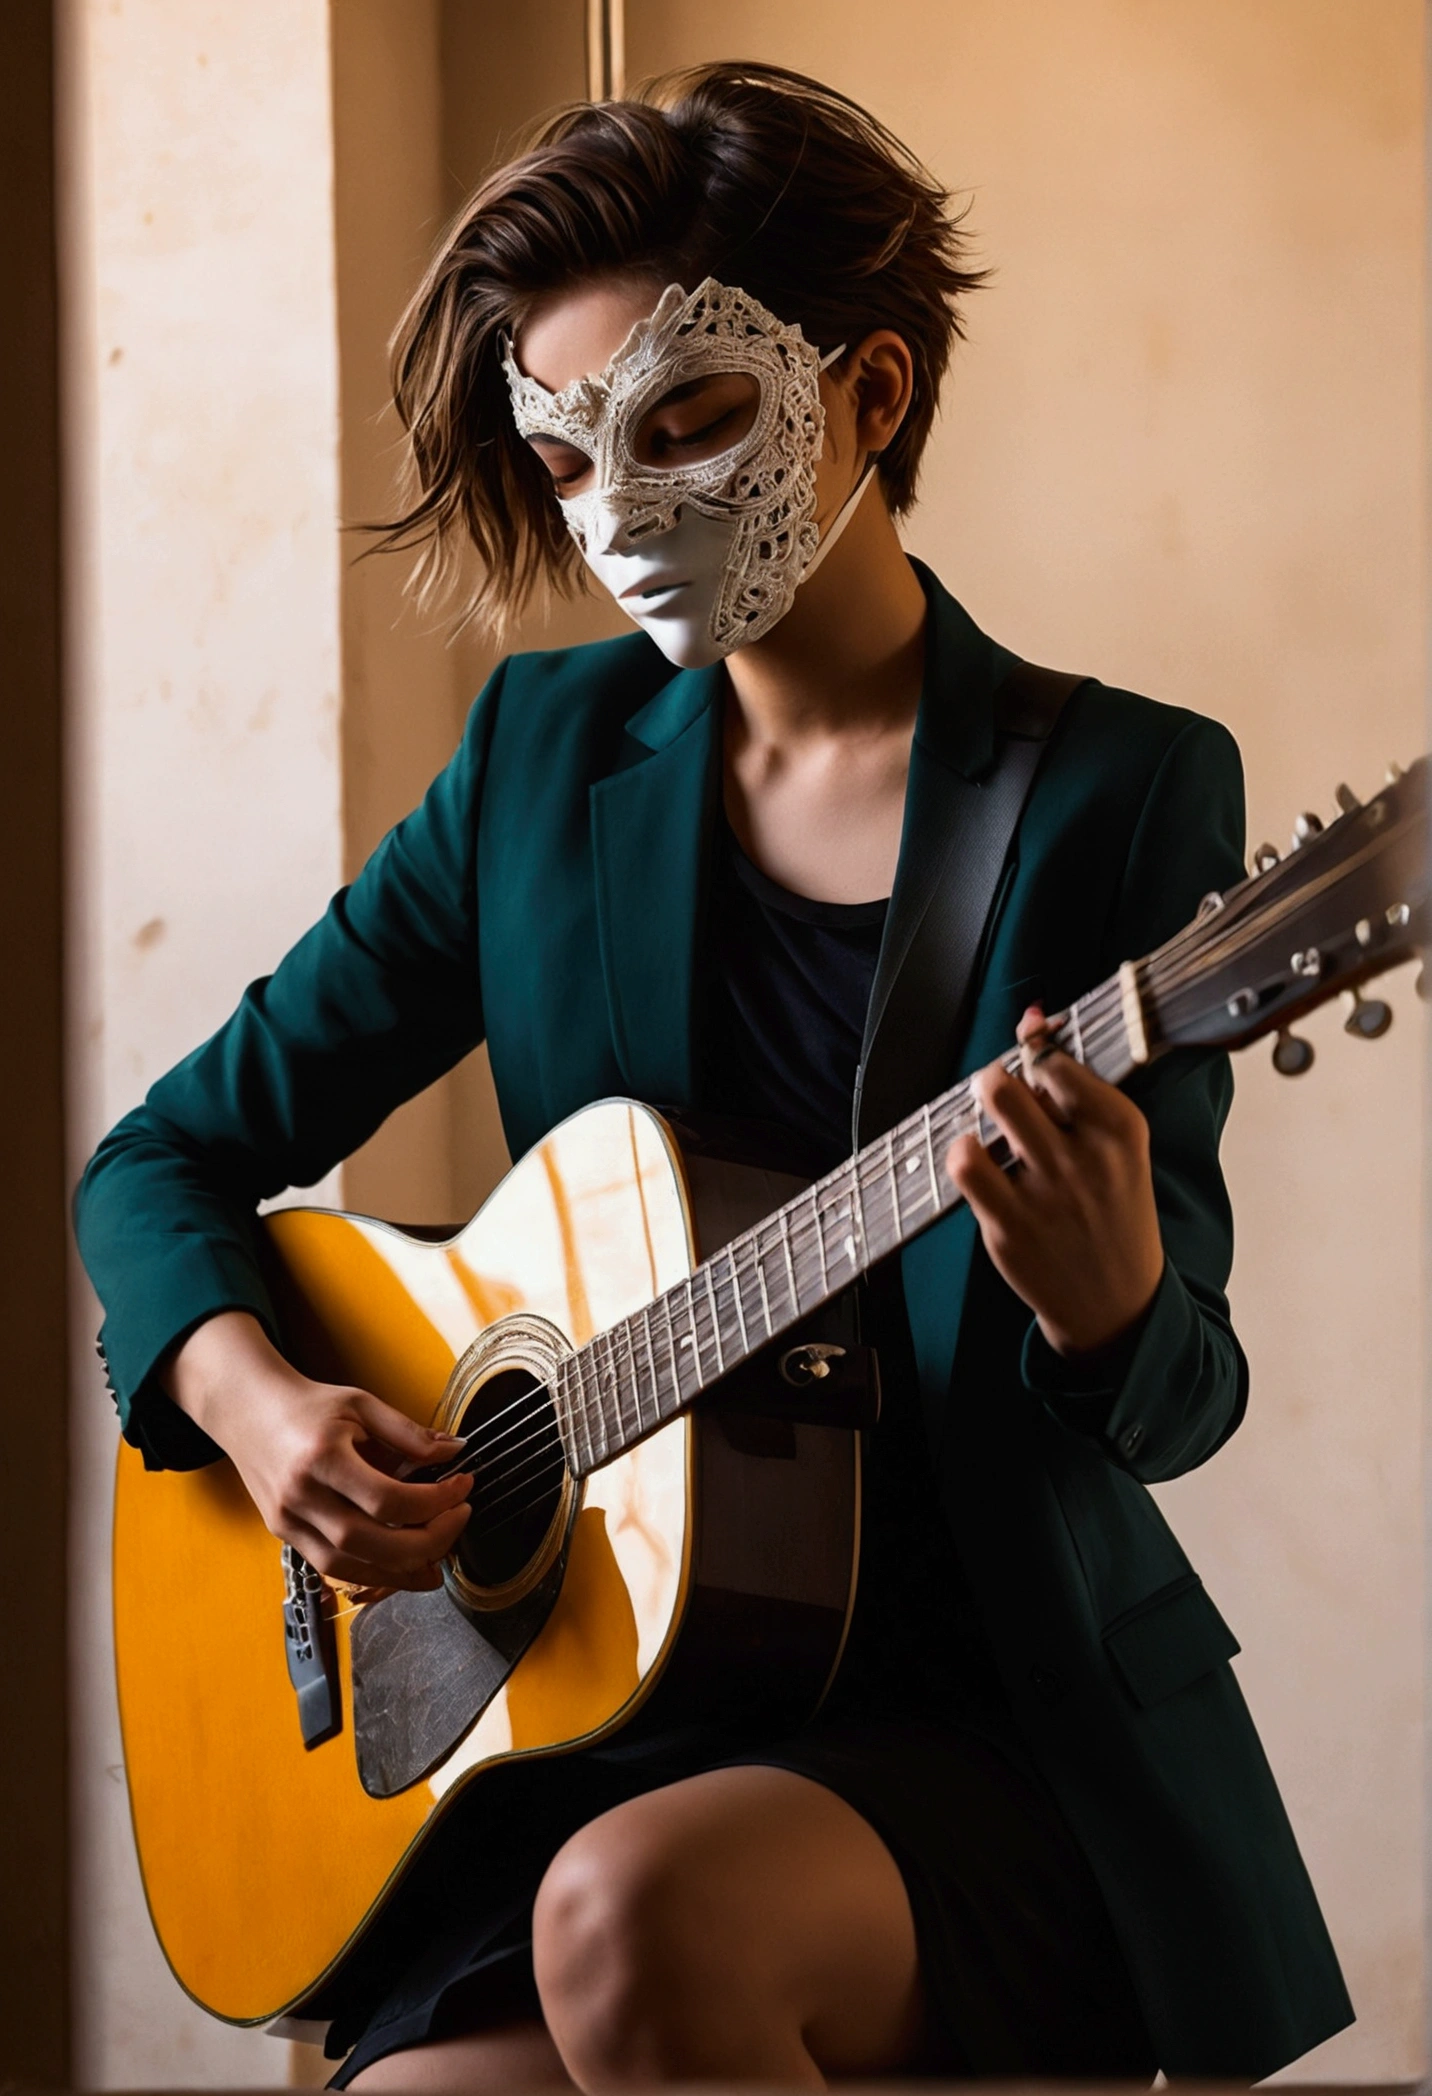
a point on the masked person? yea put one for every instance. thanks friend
(695, 342)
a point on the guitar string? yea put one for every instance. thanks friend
(1266, 901)
(483, 1442)
(803, 1235)
(532, 1505)
(1165, 973)
(1099, 1030)
(559, 1464)
(1234, 928)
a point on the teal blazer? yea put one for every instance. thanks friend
(547, 895)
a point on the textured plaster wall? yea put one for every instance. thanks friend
(202, 396)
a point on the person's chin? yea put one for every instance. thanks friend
(687, 645)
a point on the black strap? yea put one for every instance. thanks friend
(920, 1008)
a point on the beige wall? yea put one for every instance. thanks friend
(1181, 449)
(426, 97)
(201, 388)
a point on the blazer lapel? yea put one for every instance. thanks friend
(902, 1063)
(650, 824)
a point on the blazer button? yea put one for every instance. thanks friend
(1047, 1685)
(1132, 1440)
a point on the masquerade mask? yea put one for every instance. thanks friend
(704, 554)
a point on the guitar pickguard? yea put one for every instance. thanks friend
(423, 1673)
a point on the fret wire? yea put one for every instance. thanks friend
(733, 1255)
(1077, 1049)
(758, 1263)
(582, 1361)
(894, 1185)
(874, 1188)
(645, 1316)
(756, 1242)
(784, 1224)
(911, 1158)
(699, 1351)
(930, 1160)
(708, 1271)
(902, 1160)
(596, 1399)
(601, 1347)
(688, 1344)
(620, 1373)
(835, 1216)
(673, 1353)
(674, 1350)
(892, 1190)
(820, 1243)
(736, 1345)
(608, 1382)
(631, 1377)
(859, 1234)
(564, 1394)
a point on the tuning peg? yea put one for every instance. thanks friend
(1368, 1017)
(1265, 858)
(1306, 826)
(1347, 800)
(1292, 1055)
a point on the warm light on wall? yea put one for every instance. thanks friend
(606, 50)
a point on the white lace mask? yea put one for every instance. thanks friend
(707, 555)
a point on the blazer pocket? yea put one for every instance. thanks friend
(1169, 1640)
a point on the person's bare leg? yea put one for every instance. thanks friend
(515, 2058)
(743, 1925)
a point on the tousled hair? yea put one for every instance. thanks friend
(747, 173)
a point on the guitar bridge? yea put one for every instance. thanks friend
(311, 1650)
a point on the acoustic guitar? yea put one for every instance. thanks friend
(643, 1347)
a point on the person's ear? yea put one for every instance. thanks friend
(880, 372)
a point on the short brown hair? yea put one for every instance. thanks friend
(746, 173)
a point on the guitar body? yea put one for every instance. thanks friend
(710, 1566)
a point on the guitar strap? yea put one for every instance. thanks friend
(920, 1003)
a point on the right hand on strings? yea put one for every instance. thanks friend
(318, 1458)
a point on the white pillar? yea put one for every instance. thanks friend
(204, 660)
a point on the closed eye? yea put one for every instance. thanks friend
(659, 441)
(564, 462)
(698, 420)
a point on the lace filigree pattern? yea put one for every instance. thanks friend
(765, 483)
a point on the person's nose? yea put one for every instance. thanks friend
(607, 528)
(618, 528)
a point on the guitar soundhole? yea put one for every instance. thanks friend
(518, 1473)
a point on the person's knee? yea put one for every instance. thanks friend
(618, 1956)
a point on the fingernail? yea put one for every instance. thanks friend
(436, 1436)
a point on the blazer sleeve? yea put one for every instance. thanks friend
(371, 1005)
(1169, 1395)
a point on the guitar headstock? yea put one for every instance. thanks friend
(1348, 902)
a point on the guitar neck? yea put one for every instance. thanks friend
(634, 1378)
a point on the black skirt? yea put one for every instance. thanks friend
(1021, 1970)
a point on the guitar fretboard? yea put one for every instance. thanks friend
(630, 1380)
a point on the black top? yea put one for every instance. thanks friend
(789, 987)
